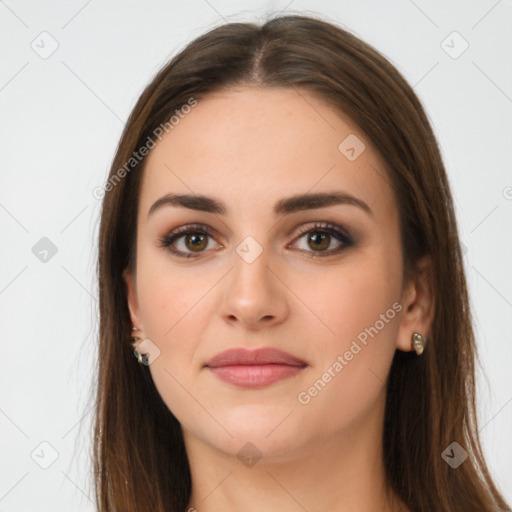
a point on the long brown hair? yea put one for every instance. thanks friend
(140, 462)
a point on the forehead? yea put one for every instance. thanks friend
(251, 145)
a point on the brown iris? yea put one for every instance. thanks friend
(197, 241)
(319, 238)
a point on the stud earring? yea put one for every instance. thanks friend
(140, 358)
(133, 339)
(418, 343)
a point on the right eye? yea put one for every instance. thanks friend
(195, 239)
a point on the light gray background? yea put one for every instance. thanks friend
(61, 118)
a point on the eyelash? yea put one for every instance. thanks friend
(331, 229)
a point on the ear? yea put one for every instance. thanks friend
(133, 304)
(418, 305)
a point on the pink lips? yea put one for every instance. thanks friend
(254, 368)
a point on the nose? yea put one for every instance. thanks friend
(254, 296)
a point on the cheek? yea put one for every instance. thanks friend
(173, 320)
(352, 296)
(359, 308)
(167, 296)
(176, 309)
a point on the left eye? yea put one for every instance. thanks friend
(195, 240)
(320, 237)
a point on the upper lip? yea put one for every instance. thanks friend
(242, 356)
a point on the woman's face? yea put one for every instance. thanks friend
(250, 277)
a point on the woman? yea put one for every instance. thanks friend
(284, 319)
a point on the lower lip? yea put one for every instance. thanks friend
(255, 376)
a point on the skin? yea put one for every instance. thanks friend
(249, 148)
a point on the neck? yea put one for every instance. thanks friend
(343, 472)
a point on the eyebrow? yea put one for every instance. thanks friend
(284, 206)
